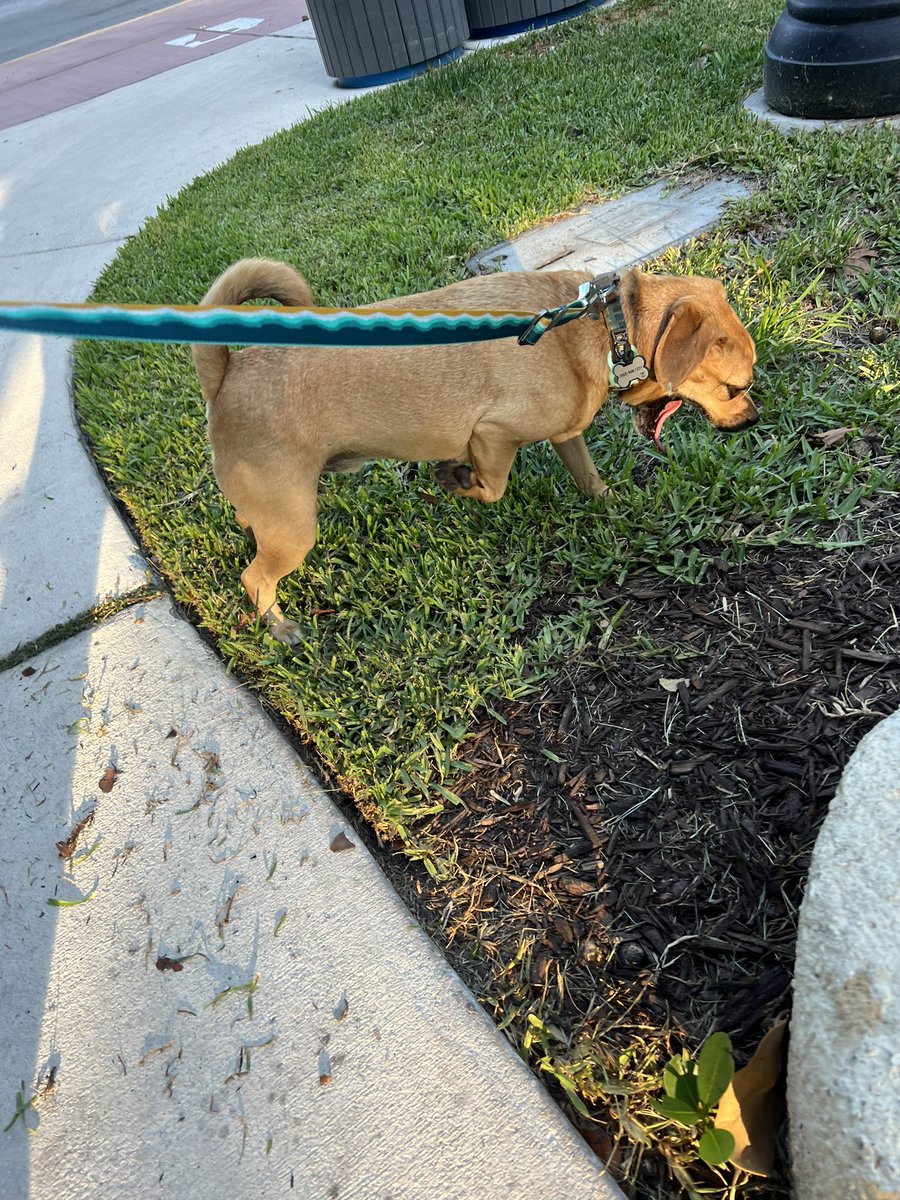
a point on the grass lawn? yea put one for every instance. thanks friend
(417, 614)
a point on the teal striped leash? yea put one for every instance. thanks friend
(240, 326)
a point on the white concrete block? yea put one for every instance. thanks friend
(844, 1064)
(164, 1085)
(756, 105)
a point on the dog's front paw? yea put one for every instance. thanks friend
(454, 476)
(596, 487)
(286, 632)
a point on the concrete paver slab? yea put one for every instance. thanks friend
(756, 105)
(62, 546)
(213, 842)
(618, 233)
(60, 556)
(844, 1062)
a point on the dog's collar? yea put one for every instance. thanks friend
(627, 368)
(598, 299)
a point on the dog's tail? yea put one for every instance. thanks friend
(249, 279)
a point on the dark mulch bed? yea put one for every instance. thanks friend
(643, 826)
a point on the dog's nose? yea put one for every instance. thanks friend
(745, 424)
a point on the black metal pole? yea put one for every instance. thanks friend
(834, 58)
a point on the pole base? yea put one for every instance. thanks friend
(832, 59)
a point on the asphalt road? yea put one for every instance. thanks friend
(28, 25)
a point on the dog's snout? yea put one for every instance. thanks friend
(745, 424)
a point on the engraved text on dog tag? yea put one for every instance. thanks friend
(626, 375)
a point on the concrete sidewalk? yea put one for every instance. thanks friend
(364, 1069)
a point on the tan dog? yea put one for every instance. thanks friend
(279, 417)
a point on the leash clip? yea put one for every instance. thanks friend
(598, 298)
(549, 318)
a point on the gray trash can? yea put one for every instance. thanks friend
(496, 18)
(366, 42)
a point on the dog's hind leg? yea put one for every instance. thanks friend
(486, 479)
(283, 540)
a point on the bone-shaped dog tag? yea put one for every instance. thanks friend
(626, 375)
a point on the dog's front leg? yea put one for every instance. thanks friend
(574, 455)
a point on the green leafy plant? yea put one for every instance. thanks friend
(693, 1088)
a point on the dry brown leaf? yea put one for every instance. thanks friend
(67, 848)
(859, 261)
(110, 775)
(831, 437)
(753, 1106)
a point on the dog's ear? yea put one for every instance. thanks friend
(688, 331)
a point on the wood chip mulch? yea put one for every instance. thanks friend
(643, 826)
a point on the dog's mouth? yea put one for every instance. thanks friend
(649, 418)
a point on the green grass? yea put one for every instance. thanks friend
(414, 612)
(424, 604)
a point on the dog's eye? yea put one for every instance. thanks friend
(734, 392)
